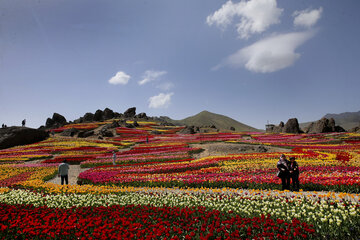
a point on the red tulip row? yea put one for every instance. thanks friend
(142, 222)
(83, 126)
(74, 159)
(8, 182)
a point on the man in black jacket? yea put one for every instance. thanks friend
(284, 173)
(294, 173)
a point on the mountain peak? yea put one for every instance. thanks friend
(206, 118)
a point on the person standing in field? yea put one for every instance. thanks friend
(114, 157)
(23, 122)
(63, 172)
(294, 173)
(284, 173)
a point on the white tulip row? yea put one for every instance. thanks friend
(326, 215)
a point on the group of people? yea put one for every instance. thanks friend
(23, 122)
(288, 170)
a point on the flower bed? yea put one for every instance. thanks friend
(141, 222)
(328, 217)
(208, 203)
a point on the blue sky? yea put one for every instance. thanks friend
(254, 61)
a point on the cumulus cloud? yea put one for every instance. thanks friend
(307, 18)
(270, 54)
(160, 101)
(151, 75)
(120, 78)
(253, 16)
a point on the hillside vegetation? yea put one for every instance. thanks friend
(206, 118)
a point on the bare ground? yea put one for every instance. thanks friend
(74, 172)
(221, 148)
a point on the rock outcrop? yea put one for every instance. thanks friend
(324, 125)
(130, 113)
(106, 132)
(85, 134)
(98, 116)
(187, 130)
(69, 132)
(56, 121)
(292, 126)
(15, 136)
(108, 114)
(142, 115)
(88, 117)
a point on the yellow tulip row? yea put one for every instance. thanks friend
(51, 188)
(37, 173)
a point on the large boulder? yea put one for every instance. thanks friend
(291, 126)
(130, 113)
(142, 115)
(85, 134)
(88, 117)
(58, 118)
(108, 114)
(324, 125)
(15, 136)
(98, 115)
(114, 124)
(105, 132)
(118, 115)
(49, 122)
(56, 121)
(69, 132)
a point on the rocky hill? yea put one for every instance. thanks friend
(347, 120)
(209, 119)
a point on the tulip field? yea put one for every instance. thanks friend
(160, 187)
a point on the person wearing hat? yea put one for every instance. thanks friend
(284, 173)
(294, 173)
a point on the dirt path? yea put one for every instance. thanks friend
(74, 172)
(220, 148)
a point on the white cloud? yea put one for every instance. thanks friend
(255, 16)
(166, 86)
(270, 54)
(160, 101)
(151, 75)
(120, 78)
(307, 18)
